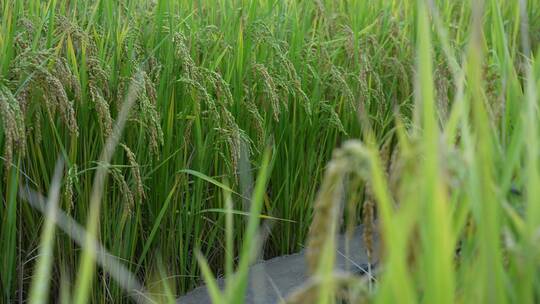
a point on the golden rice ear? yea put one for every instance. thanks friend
(353, 158)
(325, 213)
(368, 206)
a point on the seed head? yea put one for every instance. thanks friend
(135, 171)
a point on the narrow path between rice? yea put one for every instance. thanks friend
(274, 279)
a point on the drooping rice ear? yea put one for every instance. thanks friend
(102, 109)
(256, 119)
(339, 79)
(182, 52)
(233, 137)
(223, 90)
(293, 80)
(98, 74)
(13, 124)
(270, 89)
(352, 158)
(325, 212)
(135, 171)
(148, 112)
(68, 79)
(333, 117)
(126, 192)
(9, 126)
(55, 98)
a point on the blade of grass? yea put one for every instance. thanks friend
(39, 291)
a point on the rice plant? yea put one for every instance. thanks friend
(131, 133)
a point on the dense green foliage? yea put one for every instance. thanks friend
(217, 83)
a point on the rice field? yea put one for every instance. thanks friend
(148, 147)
